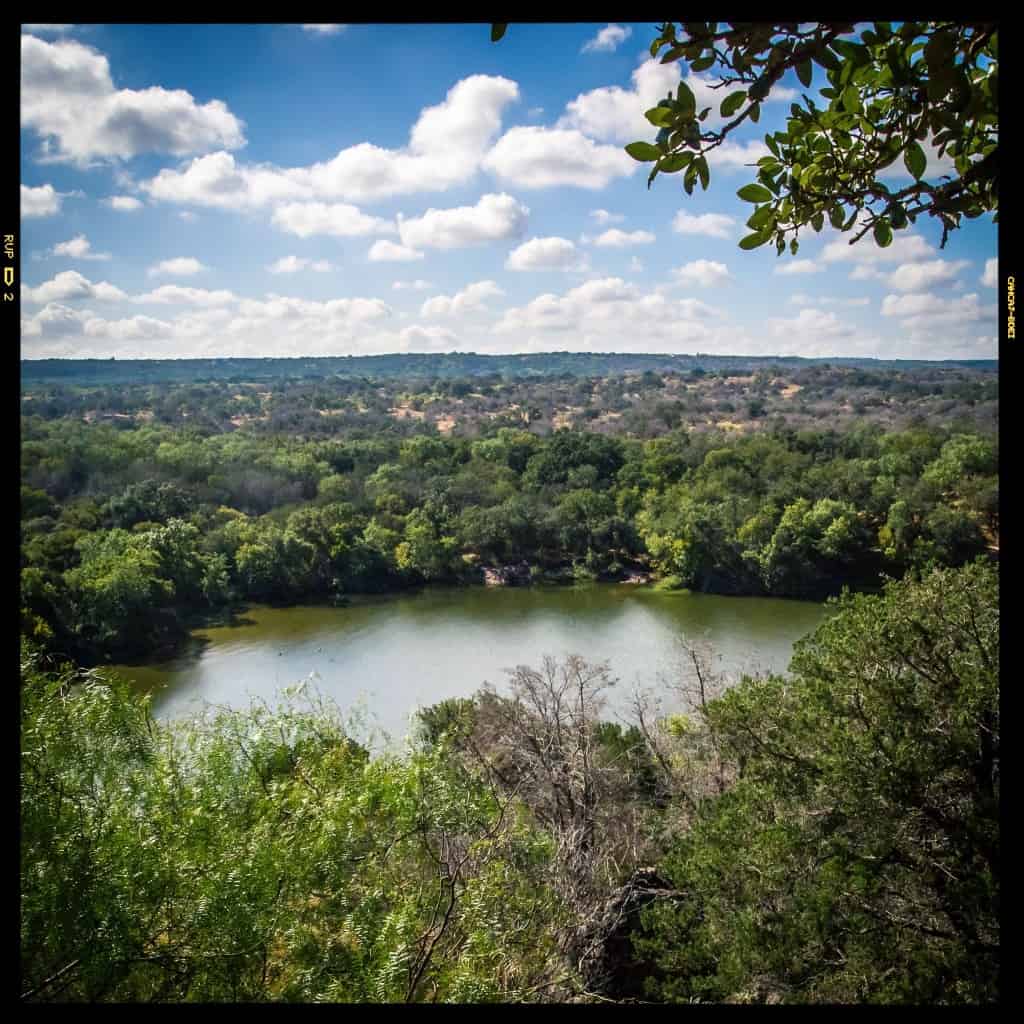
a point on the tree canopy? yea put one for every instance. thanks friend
(888, 90)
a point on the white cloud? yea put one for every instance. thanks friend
(903, 249)
(600, 314)
(325, 30)
(803, 299)
(53, 321)
(810, 324)
(341, 219)
(46, 30)
(607, 40)
(130, 329)
(188, 216)
(732, 155)
(536, 157)
(174, 294)
(180, 266)
(383, 251)
(551, 253)
(41, 201)
(419, 285)
(798, 267)
(612, 113)
(916, 277)
(68, 97)
(294, 264)
(990, 277)
(615, 238)
(494, 218)
(706, 273)
(636, 265)
(604, 217)
(445, 148)
(126, 204)
(471, 299)
(925, 309)
(715, 225)
(69, 284)
(79, 248)
(432, 338)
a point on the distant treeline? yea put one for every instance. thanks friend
(454, 364)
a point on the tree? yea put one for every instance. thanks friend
(888, 90)
(857, 857)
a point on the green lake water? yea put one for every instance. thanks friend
(386, 656)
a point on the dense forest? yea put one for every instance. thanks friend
(831, 835)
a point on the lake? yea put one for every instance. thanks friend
(389, 655)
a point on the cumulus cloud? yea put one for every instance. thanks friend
(325, 30)
(916, 277)
(604, 217)
(174, 294)
(79, 248)
(551, 253)
(603, 314)
(383, 251)
(733, 155)
(431, 338)
(990, 276)
(614, 238)
(125, 204)
(810, 324)
(537, 157)
(612, 113)
(705, 273)
(179, 266)
(340, 219)
(903, 249)
(294, 264)
(798, 267)
(472, 298)
(41, 201)
(445, 148)
(46, 30)
(68, 98)
(607, 40)
(495, 217)
(419, 285)
(925, 309)
(69, 284)
(714, 225)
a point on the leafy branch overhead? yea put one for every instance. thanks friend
(889, 93)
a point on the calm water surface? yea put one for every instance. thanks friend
(389, 655)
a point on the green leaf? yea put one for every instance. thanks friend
(702, 64)
(794, 247)
(659, 116)
(755, 112)
(652, 175)
(703, 171)
(835, 216)
(915, 159)
(883, 233)
(497, 31)
(686, 100)
(851, 99)
(756, 239)
(818, 221)
(732, 103)
(754, 194)
(643, 151)
(805, 71)
(675, 162)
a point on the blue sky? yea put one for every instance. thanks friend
(268, 190)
